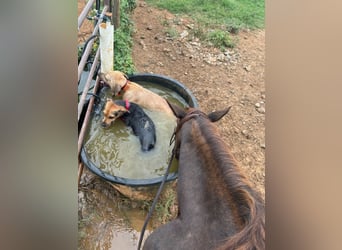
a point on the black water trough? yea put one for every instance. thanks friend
(136, 188)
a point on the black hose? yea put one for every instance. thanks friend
(85, 45)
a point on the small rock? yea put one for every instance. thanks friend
(149, 27)
(166, 50)
(160, 64)
(261, 110)
(141, 42)
(221, 57)
(142, 37)
(257, 105)
(262, 145)
(195, 43)
(245, 133)
(184, 34)
(247, 68)
(190, 26)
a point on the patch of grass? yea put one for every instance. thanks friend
(165, 206)
(221, 39)
(171, 32)
(165, 22)
(229, 16)
(232, 13)
(123, 41)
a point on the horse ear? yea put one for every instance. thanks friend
(178, 111)
(217, 115)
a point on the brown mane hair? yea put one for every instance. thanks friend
(247, 203)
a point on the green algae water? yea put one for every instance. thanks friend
(117, 150)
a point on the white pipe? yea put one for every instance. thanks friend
(106, 46)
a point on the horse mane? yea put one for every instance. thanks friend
(248, 202)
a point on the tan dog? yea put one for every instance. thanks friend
(133, 92)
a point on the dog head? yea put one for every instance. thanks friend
(111, 112)
(115, 79)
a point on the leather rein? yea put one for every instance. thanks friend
(192, 114)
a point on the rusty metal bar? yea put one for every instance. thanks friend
(87, 84)
(90, 45)
(80, 170)
(87, 51)
(85, 125)
(87, 117)
(84, 12)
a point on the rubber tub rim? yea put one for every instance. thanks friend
(168, 82)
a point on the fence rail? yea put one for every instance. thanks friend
(111, 10)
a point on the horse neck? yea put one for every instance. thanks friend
(205, 158)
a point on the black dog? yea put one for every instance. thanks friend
(134, 116)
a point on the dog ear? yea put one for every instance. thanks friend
(178, 111)
(217, 115)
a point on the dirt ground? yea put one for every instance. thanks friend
(163, 44)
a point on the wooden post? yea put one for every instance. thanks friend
(116, 14)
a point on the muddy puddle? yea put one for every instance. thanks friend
(107, 220)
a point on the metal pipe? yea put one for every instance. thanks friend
(84, 12)
(87, 84)
(90, 45)
(98, 5)
(84, 127)
(87, 117)
(80, 170)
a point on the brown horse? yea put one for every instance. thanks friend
(218, 208)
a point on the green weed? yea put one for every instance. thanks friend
(165, 207)
(221, 39)
(123, 39)
(226, 15)
(171, 32)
